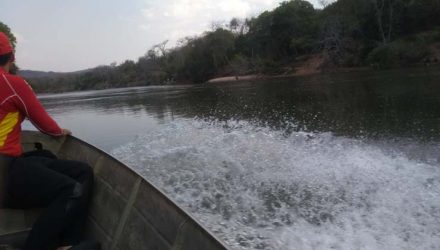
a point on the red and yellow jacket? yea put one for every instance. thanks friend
(18, 101)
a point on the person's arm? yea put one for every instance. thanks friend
(31, 107)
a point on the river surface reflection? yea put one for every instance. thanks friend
(389, 104)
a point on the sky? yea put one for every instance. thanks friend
(73, 35)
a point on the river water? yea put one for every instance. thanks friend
(337, 161)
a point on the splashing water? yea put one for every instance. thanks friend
(258, 188)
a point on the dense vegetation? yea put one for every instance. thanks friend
(345, 33)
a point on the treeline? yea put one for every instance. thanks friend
(345, 33)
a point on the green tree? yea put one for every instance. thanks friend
(259, 38)
(292, 23)
(203, 57)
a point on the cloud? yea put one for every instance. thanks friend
(144, 26)
(197, 9)
(20, 38)
(175, 19)
(148, 13)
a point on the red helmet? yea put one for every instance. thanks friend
(5, 45)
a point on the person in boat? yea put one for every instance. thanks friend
(39, 179)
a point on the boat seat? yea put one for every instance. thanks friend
(15, 224)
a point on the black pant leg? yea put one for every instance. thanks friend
(32, 184)
(83, 174)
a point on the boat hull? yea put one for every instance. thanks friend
(127, 211)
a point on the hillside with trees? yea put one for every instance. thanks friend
(345, 33)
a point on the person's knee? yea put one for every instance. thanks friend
(86, 169)
(74, 198)
(88, 173)
(83, 183)
(87, 179)
(77, 191)
(69, 188)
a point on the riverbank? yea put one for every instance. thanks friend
(307, 66)
(227, 79)
(311, 67)
(316, 64)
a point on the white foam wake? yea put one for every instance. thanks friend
(262, 189)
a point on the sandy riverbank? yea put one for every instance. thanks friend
(312, 65)
(315, 64)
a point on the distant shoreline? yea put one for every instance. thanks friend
(259, 77)
(309, 67)
(253, 77)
